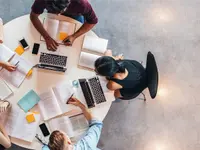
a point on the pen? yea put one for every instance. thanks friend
(70, 98)
(17, 64)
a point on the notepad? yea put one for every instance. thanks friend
(5, 91)
(5, 53)
(28, 101)
(57, 29)
(17, 77)
(19, 50)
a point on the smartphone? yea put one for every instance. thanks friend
(35, 48)
(44, 129)
(24, 44)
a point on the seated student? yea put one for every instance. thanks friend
(60, 141)
(80, 10)
(5, 65)
(126, 77)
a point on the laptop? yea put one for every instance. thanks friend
(92, 91)
(52, 62)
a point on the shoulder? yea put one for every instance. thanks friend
(111, 85)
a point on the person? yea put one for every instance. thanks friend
(127, 78)
(60, 141)
(5, 65)
(80, 10)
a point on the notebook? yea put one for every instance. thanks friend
(28, 101)
(17, 77)
(72, 126)
(93, 48)
(53, 101)
(5, 91)
(17, 126)
(57, 29)
(5, 53)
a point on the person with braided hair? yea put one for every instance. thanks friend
(126, 78)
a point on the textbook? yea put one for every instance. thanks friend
(58, 30)
(92, 49)
(53, 101)
(17, 126)
(72, 126)
(17, 77)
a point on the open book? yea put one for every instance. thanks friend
(92, 49)
(53, 102)
(17, 126)
(17, 77)
(5, 91)
(58, 30)
(72, 126)
(5, 53)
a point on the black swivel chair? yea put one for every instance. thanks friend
(152, 78)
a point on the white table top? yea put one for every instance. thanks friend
(40, 80)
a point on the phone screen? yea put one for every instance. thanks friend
(44, 129)
(23, 43)
(35, 48)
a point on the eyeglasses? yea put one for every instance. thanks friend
(41, 139)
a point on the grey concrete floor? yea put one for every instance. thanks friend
(171, 30)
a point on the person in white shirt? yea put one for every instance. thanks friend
(5, 65)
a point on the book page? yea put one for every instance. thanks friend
(5, 53)
(65, 27)
(51, 26)
(17, 77)
(87, 60)
(24, 130)
(79, 123)
(48, 105)
(95, 44)
(5, 91)
(63, 124)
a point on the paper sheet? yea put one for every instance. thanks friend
(48, 105)
(95, 44)
(63, 124)
(87, 60)
(51, 26)
(5, 91)
(5, 53)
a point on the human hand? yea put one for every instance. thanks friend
(68, 41)
(9, 67)
(51, 44)
(74, 102)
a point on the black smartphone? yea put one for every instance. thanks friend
(35, 48)
(44, 129)
(24, 44)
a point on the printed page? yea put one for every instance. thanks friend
(48, 105)
(79, 124)
(65, 27)
(24, 130)
(87, 60)
(5, 91)
(51, 26)
(95, 44)
(17, 77)
(63, 124)
(5, 53)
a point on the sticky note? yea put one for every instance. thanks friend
(29, 73)
(30, 118)
(62, 35)
(19, 50)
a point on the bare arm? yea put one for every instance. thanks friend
(113, 86)
(51, 43)
(4, 138)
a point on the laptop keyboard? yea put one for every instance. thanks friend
(53, 59)
(97, 90)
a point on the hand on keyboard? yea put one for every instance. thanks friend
(51, 44)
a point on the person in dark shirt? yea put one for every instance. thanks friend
(126, 77)
(80, 10)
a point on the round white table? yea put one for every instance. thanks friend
(41, 80)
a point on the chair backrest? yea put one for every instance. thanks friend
(152, 75)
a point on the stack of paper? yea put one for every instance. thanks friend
(5, 53)
(17, 77)
(5, 91)
(29, 101)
